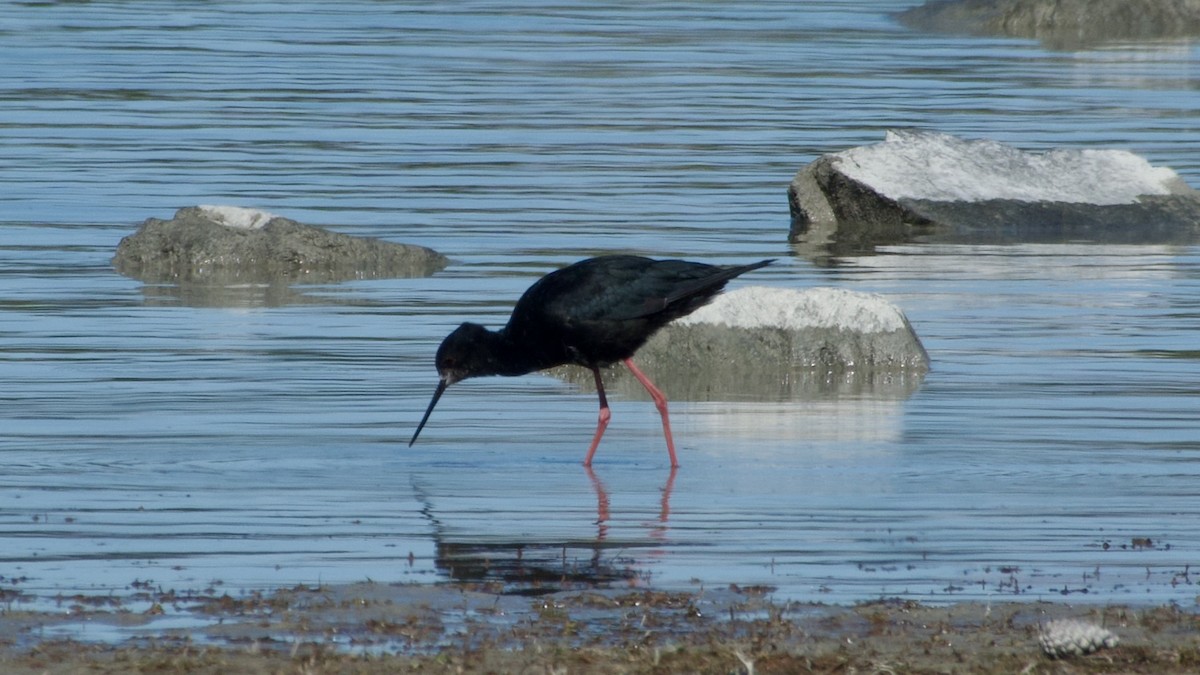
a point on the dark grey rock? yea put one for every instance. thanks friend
(226, 245)
(936, 188)
(1063, 24)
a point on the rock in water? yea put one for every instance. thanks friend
(229, 244)
(828, 328)
(1063, 24)
(937, 188)
(781, 343)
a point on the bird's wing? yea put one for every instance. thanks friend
(618, 288)
(596, 290)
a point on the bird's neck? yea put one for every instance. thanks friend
(505, 356)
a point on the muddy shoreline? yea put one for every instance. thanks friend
(478, 628)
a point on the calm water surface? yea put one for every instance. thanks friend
(150, 436)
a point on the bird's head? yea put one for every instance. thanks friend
(464, 353)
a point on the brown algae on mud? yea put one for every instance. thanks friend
(375, 628)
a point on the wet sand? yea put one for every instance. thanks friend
(480, 628)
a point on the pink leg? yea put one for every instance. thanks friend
(602, 423)
(660, 402)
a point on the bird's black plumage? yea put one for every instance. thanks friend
(592, 313)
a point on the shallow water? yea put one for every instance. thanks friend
(152, 437)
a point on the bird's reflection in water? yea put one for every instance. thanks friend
(658, 530)
(537, 568)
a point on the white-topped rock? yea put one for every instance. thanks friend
(778, 344)
(917, 186)
(823, 328)
(795, 309)
(940, 167)
(237, 216)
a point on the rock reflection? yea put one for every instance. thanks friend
(817, 423)
(246, 295)
(239, 296)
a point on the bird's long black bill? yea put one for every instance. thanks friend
(436, 395)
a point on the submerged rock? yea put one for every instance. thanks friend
(217, 245)
(940, 188)
(1060, 23)
(779, 344)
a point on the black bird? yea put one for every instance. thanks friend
(593, 314)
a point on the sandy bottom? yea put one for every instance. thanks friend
(478, 628)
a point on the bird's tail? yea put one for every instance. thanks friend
(704, 286)
(716, 280)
